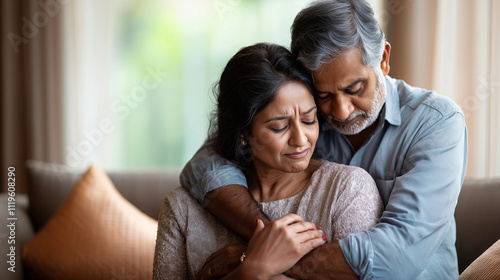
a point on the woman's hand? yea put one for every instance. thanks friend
(276, 247)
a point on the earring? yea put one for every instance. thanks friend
(243, 142)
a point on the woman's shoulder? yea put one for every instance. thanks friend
(339, 171)
(179, 198)
(177, 193)
(180, 206)
(333, 167)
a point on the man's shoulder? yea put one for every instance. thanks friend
(421, 100)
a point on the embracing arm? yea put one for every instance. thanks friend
(272, 249)
(324, 262)
(234, 206)
(417, 227)
(221, 187)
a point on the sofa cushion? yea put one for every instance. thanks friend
(487, 266)
(48, 187)
(96, 234)
(49, 184)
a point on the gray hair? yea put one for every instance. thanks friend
(325, 29)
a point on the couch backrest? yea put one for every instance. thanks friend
(50, 184)
(478, 219)
(477, 213)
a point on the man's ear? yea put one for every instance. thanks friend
(384, 64)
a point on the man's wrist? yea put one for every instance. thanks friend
(324, 262)
(253, 270)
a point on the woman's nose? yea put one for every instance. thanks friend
(298, 137)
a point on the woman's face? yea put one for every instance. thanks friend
(284, 134)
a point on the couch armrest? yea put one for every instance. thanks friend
(15, 232)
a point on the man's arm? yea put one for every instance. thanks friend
(235, 208)
(205, 174)
(418, 218)
(325, 262)
(417, 228)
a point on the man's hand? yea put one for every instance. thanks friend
(222, 262)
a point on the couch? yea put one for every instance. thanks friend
(50, 185)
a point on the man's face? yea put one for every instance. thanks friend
(350, 97)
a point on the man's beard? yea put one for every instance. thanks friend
(367, 118)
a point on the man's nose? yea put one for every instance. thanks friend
(342, 106)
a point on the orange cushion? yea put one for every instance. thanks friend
(96, 234)
(486, 266)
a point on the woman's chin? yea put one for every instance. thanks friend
(300, 166)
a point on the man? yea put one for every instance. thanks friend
(412, 141)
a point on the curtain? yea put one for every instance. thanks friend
(88, 43)
(54, 81)
(31, 89)
(452, 46)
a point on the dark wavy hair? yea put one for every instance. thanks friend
(247, 85)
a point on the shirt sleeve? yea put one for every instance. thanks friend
(419, 213)
(207, 171)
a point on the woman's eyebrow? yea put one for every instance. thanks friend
(279, 118)
(310, 110)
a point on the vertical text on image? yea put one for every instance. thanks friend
(11, 219)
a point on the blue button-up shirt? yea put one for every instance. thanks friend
(417, 155)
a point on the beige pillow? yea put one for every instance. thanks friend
(96, 234)
(486, 266)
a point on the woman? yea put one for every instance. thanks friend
(266, 124)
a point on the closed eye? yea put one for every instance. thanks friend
(353, 92)
(279, 129)
(323, 95)
(351, 89)
(310, 123)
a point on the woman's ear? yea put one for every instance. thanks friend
(384, 64)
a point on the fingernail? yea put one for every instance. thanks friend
(315, 226)
(324, 238)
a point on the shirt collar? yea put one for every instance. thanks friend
(392, 112)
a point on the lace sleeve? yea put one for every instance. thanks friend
(170, 250)
(359, 205)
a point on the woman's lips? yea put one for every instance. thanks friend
(298, 155)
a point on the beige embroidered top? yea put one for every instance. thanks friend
(339, 199)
